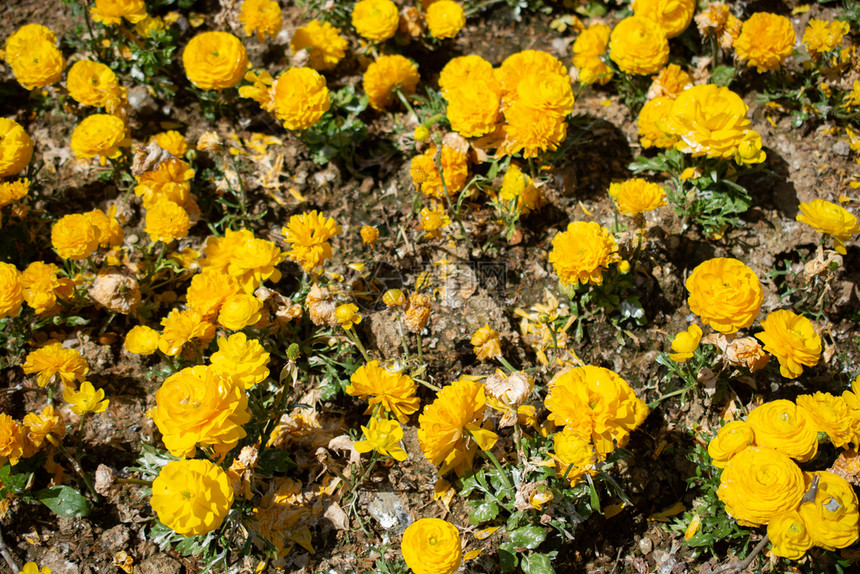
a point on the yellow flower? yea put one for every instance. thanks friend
(99, 135)
(670, 82)
(580, 254)
(42, 285)
(596, 403)
(13, 190)
(52, 360)
(829, 218)
(707, 120)
(11, 290)
(786, 427)
(473, 108)
(486, 343)
(347, 315)
(636, 196)
(166, 221)
(464, 70)
(33, 568)
(431, 546)
(301, 98)
(208, 291)
(240, 311)
(832, 519)
(417, 312)
(375, 20)
(91, 83)
(528, 63)
(588, 48)
(384, 437)
(730, 440)
(519, 186)
(685, 343)
(788, 535)
(111, 12)
(249, 260)
(445, 19)
(749, 149)
(393, 298)
(765, 41)
(821, 37)
(16, 147)
(74, 237)
(650, 116)
(531, 132)
(13, 440)
(369, 235)
(261, 16)
(387, 74)
(180, 327)
(86, 400)
(170, 181)
(43, 426)
(325, 46)
(241, 359)
(717, 21)
(391, 389)
(672, 16)
(24, 38)
(637, 46)
(831, 415)
(433, 219)
(758, 483)
(198, 406)
(451, 426)
(109, 228)
(308, 235)
(574, 455)
(33, 55)
(172, 141)
(191, 497)
(426, 177)
(150, 26)
(725, 293)
(852, 97)
(141, 340)
(215, 60)
(547, 93)
(792, 339)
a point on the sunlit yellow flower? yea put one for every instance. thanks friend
(725, 293)
(821, 36)
(464, 70)
(16, 147)
(792, 339)
(636, 196)
(786, 427)
(431, 546)
(13, 190)
(301, 98)
(486, 343)
(308, 235)
(192, 497)
(574, 455)
(33, 568)
(685, 343)
(580, 254)
(832, 519)
(369, 235)
(91, 83)
(33, 55)
(109, 228)
(74, 237)
(166, 221)
(384, 437)
(425, 173)
(42, 285)
(832, 415)
(637, 46)
(717, 21)
(672, 16)
(445, 19)
(473, 108)
(347, 315)
(831, 219)
(86, 400)
(141, 340)
(172, 141)
(242, 359)
(519, 186)
(215, 60)
(788, 535)
(670, 82)
(13, 440)
(749, 149)
(759, 483)
(261, 16)
(111, 12)
(170, 181)
(387, 74)
(393, 298)
(393, 390)
(375, 20)
(325, 46)
(765, 41)
(730, 440)
(11, 290)
(433, 219)
(53, 359)
(47, 425)
(99, 135)
(240, 311)
(208, 291)
(248, 259)
(182, 326)
(588, 48)
(521, 65)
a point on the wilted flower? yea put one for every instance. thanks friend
(670, 82)
(792, 339)
(638, 46)
(215, 60)
(730, 440)
(387, 74)
(445, 19)
(111, 12)
(725, 293)
(141, 340)
(685, 343)
(746, 352)
(580, 254)
(99, 135)
(301, 97)
(325, 46)
(588, 49)
(417, 312)
(788, 535)
(717, 21)
(508, 391)
(375, 20)
(393, 390)
(369, 235)
(786, 427)
(431, 546)
(191, 497)
(636, 196)
(765, 41)
(11, 290)
(16, 147)
(86, 400)
(52, 360)
(831, 414)
(759, 483)
(261, 16)
(308, 235)
(831, 219)
(321, 306)
(116, 289)
(384, 437)
(486, 343)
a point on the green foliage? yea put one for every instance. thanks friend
(340, 131)
(64, 500)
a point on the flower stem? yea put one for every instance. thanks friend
(75, 466)
(353, 336)
(80, 444)
(137, 481)
(509, 488)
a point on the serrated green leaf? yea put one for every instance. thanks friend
(65, 501)
(483, 512)
(537, 564)
(528, 537)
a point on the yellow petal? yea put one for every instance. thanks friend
(693, 527)
(486, 532)
(472, 554)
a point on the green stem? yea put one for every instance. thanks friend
(506, 364)
(427, 384)
(353, 336)
(367, 472)
(509, 488)
(137, 481)
(406, 103)
(77, 468)
(478, 7)
(79, 447)
(420, 351)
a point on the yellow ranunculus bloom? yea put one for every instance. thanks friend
(33, 55)
(759, 483)
(725, 293)
(792, 339)
(242, 359)
(375, 20)
(347, 315)
(91, 83)
(325, 46)
(685, 343)
(464, 70)
(33, 568)
(765, 41)
(13, 440)
(99, 135)
(301, 98)
(240, 311)
(638, 46)
(519, 186)
(86, 400)
(192, 497)
(486, 343)
(574, 455)
(75, 237)
(384, 437)
(308, 235)
(52, 360)
(208, 291)
(588, 48)
(111, 12)
(261, 16)
(215, 60)
(42, 286)
(831, 219)
(166, 221)
(11, 290)
(788, 535)
(821, 37)
(180, 327)
(141, 340)
(707, 120)
(636, 196)
(16, 148)
(473, 108)
(832, 415)
(393, 390)
(445, 19)
(832, 519)
(786, 427)
(580, 254)
(426, 177)
(386, 74)
(649, 121)
(431, 546)
(730, 440)
(672, 16)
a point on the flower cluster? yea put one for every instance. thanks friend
(34, 57)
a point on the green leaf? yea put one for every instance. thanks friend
(483, 512)
(537, 564)
(528, 537)
(64, 501)
(723, 76)
(13, 482)
(507, 557)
